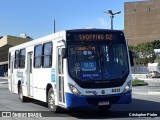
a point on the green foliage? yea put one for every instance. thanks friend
(138, 82)
(144, 53)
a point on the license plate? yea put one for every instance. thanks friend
(103, 103)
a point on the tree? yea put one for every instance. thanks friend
(144, 53)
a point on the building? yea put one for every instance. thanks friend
(5, 43)
(142, 21)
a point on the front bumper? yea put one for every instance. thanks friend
(74, 101)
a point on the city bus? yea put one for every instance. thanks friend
(73, 69)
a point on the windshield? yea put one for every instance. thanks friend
(97, 62)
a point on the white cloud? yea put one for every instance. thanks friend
(98, 23)
(102, 22)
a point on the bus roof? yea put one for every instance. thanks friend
(40, 40)
(61, 35)
(93, 30)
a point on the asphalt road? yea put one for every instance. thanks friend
(141, 103)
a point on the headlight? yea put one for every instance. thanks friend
(127, 87)
(74, 90)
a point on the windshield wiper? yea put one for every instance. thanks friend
(110, 45)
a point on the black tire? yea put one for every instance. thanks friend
(104, 108)
(51, 101)
(21, 97)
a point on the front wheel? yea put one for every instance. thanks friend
(51, 101)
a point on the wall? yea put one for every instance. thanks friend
(142, 21)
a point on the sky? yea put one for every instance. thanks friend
(36, 17)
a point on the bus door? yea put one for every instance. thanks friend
(11, 73)
(60, 81)
(29, 74)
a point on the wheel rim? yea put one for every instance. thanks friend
(51, 101)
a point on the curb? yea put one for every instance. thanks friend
(146, 79)
(4, 78)
(153, 93)
(147, 93)
(3, 82)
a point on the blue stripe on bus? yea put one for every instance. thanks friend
(74, 101)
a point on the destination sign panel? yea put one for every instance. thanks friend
(100, 36)
(84, 48)
(87, 37)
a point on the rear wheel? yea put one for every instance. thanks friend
(51, 101)
(21, 97)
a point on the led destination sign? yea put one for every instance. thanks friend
(99, 36)
(84, 48)
(87, 37)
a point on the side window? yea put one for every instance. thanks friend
(16, 60)
(9, 58)
(37, 56)
(47, 55)
(22, 55)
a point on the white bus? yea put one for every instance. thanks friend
(73, 69)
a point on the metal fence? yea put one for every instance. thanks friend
(139, 69)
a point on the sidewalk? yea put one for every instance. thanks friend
(153, 83)
(4, 78)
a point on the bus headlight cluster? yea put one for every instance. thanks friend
(127, 87)
(74, 90)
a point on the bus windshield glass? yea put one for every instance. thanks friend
(91, 61)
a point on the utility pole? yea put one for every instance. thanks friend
(54, 25)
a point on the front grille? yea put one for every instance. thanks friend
(109, 84)
(102, 84)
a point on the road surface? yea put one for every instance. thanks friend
(141, 103)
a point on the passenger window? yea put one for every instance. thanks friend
(22, 55)
(47, 55)
(16, 60)
(37, 56)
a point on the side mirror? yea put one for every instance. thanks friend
(131, 58)
(64, 52)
